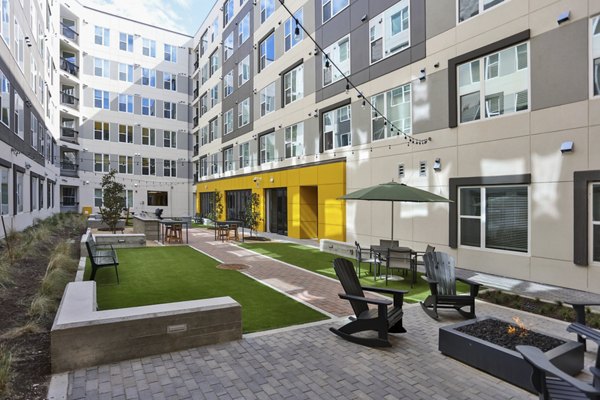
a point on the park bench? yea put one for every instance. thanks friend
(101, 256)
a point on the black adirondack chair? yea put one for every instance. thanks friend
(439, 269)
(381, 319)
(553, 384)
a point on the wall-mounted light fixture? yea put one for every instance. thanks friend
(27, 165)
(437, 165)
(567, 147)
(422, 75)
(563, 17)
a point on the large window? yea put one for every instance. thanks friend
(148, 107)
(214, 96)
(228, 47)
(102, 36)
(244, 71)
(207, 201)
(98, 197)
(244, 29)
(470, 8)
(170, 53)
(266, 9)
(244, 154)
(227, 12)
(170, 168)
(148, 77)
(596, 54)
(125, 133)
(33, 189)
(228, 161)
(332, 7)
(213, 129)
(170, 110)
(244, 112)
(267, 100)
(396, 105)
(19, 49)
(293, 85)
(19, 116)
(125, 165)
(338, 54)
(214, 62)
(101, 162)
(504, 88)
(169, 81)
(294, 140)
(158, 198)
(149, 136)
(235, 204)
(126, 42)
(125, 72)
(5, 21)
(266, 51)
(293, 33)
(337, 128)
(389, 32)
(101, 99)
(267, 149)
(20, 177)
(4, 99)
(170, 139)
(3, 190)
(148, 166)
(228, 122)
(126, 103)
(228, 84)
(101, 130)
(101, 67)
(149, 47)
(214, 164)
(595, 222)
(494, 217)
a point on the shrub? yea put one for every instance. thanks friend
(5, 368)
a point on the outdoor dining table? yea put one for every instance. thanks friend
(382, 251)
(170, 222)
(226, 225)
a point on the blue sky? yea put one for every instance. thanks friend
(180, 15)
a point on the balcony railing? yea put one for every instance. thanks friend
(69, 66)
(196, 92)
(68, 99)
(196, 64)
(195, 121)
(196, 149)
(69, 32)
(69, 133)
(69, 166)
(195, 178)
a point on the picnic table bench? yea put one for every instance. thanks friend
(101, 256)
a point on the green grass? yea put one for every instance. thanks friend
(322, 263)
(168, 274)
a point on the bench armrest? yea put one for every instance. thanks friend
(351, 297)
(468, 282)
(384, 290)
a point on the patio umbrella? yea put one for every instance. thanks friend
(393, 192)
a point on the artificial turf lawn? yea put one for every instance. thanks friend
(168, 274)
(320, 262)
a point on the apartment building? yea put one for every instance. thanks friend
(124, 106)
(28, 121)
(494, 104)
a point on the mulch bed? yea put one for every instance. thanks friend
(233, 267)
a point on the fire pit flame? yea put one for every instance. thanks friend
(513, 329)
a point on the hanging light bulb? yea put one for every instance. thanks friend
(347, 86)
(297, 30)
(364, 103)
(327, 62)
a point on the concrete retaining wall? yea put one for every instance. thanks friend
(148, 226)
(82, 337)
(118, 241)
(336, 247)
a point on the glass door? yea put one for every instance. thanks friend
(277, 211)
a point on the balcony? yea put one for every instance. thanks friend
(69, 66)
(68, 99)
(69, 134)
(196, 64)
(67, 168)
(196, 92)
(195, 121)
(69, 32)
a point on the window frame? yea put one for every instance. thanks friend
(480, 11)
(296, 144)
(244, 155)
(244, 71)
(594, 37)
(228, 122)
(104, 164)
(126, 135)
(268, 38)
(149, 46)
(127, 44)
(263, 152)
(127, 105)
(329, 53)
(104, 131)
(263, 94)
(388, 134)
(330, 2)
(336, 111)
(244, 112)
(266, 12)
(289, 30)
(127, 166)
(291, 78)
(382, 19)
(244, 29)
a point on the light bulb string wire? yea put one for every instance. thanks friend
(350, 84)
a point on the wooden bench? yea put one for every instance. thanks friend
(101, 257)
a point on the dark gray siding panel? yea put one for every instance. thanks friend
(440, 16)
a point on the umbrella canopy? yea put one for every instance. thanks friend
(394, 191)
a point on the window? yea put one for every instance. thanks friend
(125, 42)
(338, 54)
(236, 202)
(203, 43)
(214, 62)
(228, 84)
(244, 154)
(148, 166)
(149, 136)
(505, 85)
(203, 104)
(125, 72)
(125, 134)
(293, 85)
(126, 103)
(127, 196)
(170, 110)
(19, 116)
(34, 192)
(294, 140)
(244, 112)
(148, 106)
(396, 104)
(3, 190)
(292, 25)
(149, 47)
(101, 130)
(101, 162)
(203, 166)
(595, 221)
(389, 32)
(170, 53)
(227, 12)
(101, 67)
(228, 161)
(228, 122)
(214, 164)
(170, 168)
(228, 47)
(19, 46)
(102, 36)
(101, 99)
(98, 201)
(470, 8)
(244, 29)
(267, 152)
(34, 132)
(267, 100)
(337, 131)
(69, 196)
(125, 165)
(148, 77)
(244, 71)
(41, 193)
(50, 187)
(267, 51)
(158, 198)
(214, 95)
(596, 55)
(5, 21)
(215, 30)
(170, 139)
(19, 191)
(494, 217)
(266, 9)
(204, 135)
(213, 130)
(169, 81)
(332, 7)
(4, 99)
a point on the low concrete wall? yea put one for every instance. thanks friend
(118, 241)
(336, 247)
(82, 337)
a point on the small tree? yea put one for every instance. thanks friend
(112, 200)
(217, 207)
(252, 213)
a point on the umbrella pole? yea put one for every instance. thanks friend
(392, 238)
